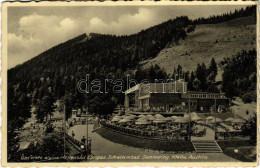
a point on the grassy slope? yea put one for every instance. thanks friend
(239, 108)
(201, 46)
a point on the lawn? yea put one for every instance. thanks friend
(246, 150)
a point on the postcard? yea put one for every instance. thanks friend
(130, 84)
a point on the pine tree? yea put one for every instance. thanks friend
(212, 70)
(191, 79)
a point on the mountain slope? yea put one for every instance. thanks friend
(58, 70)
(206, 42)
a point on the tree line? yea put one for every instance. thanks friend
(54, 73)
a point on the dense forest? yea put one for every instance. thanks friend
(248, 11)
(53, 74)
(56, 71)
(239, 76)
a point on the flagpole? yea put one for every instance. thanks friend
(215, 117)
(189, 117)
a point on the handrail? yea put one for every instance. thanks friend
(138, 133)
(76, 142)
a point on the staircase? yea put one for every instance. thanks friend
(206, 146)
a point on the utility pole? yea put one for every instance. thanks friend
(87, 130)
(189, 118)
(64, 127)
(215, 111)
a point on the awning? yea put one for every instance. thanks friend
(132, 89)
(144, 97)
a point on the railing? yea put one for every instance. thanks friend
(145, 134)
(81, 147)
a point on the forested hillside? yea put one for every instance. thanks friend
(56, 71)
(53, 74)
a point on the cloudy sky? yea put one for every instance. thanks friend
(32, 30)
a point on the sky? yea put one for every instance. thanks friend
(32, 30)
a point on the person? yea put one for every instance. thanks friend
(89, 142)
(73, 134)
(83, 140)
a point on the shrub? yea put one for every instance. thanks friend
(248, 97)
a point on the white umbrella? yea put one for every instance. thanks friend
(238, 121)
(210, 118)
(141, 119)
(181, 120)
(115, 119)
(218, 120)
(229, 119)
(133, 115)
(159, 121)
(142, 122)
(175, 117)
(129, 117)
(140, 116)
(149, 115)
(168, 119)
(151, 118)
(158, 116)
(124, 121)
(196, 118)
(200, 122)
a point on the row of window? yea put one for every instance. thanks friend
(207, 96)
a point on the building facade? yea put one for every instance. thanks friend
(173, 97)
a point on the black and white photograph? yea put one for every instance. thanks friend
(131, 83)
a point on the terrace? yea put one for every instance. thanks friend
(175, 127)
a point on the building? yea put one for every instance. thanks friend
(172, 98)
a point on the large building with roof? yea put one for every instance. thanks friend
(172, 98)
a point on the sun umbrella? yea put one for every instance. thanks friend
(140, 116)
(229, 119)
(159, 121)
(129, 117)
(149, 115)
(141, 119)
(115, 119)
(181, 120)
(168, 119)
(210, 118)
(133, 115)
(218, 120)
(200, 122)
(175, 117)
(142, 122)
(124, 121)
(238, 120)
(196, 118)
(159, 116)
(151, 118)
